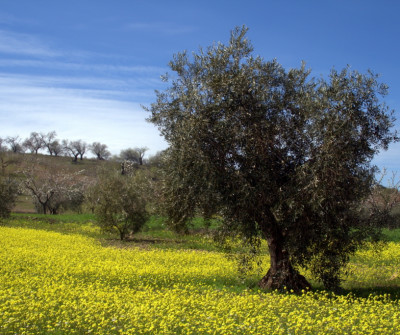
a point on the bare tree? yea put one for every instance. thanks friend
(52, 189)
(70, 150)
(383, 203)
(56, 148)
(75, 148)
(34, 142)
(100, 150)
(15, 144)
(48, 141)
(80, 146)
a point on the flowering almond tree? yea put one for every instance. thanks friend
(52, 189)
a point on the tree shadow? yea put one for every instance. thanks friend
(390, 292)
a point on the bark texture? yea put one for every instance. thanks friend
(281, 274)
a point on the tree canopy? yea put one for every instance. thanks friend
(277, 154)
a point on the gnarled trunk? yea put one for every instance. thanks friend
(281, 275)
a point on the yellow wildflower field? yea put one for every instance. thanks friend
(53, 283)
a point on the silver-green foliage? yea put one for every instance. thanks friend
(277, 154)
(121, 204)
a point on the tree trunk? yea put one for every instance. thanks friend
(281, 275)
(44, 207)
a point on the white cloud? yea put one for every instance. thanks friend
(87, 114)
(23, 44)
(59, 65)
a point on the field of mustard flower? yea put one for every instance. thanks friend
(69, 283)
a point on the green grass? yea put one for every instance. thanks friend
(154, 234)
(392, 235)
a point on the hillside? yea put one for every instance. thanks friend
(14, 165)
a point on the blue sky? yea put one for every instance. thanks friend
(84, 68)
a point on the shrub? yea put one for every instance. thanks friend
(8, 196)
(121, 206)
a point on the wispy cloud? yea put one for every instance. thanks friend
(87, 114)
(44, 89)
(23, 44)
(169, 28)
(60, 65)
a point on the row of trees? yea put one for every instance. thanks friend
(77, 149)
(40, 141)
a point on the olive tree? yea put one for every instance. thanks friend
(278, 155)
(134, 155)
(120, 205)
(100, 150)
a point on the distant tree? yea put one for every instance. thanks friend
(128, 155)
(34, 142)
(56, 148)
(2, 146)
(49, 141)
(134, 155)
(53, 189)
(75, 148)
(120, 206)
(275, 154)
(100, 150)
(383, 203)
(15, 144)
(141, 152)
(80, 146)
(69, 149)
(8, 194)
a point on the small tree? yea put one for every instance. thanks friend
(80, 146)
(120, 205)
(100, 150)
(53, 189)
(70, 147)
(56, 148)
(15, 144)
(134, 155)
(34, 142)
(383, 203)
(49, 141)
(8, 195)
(278, 155)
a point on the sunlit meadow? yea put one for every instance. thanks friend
(71, 283)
